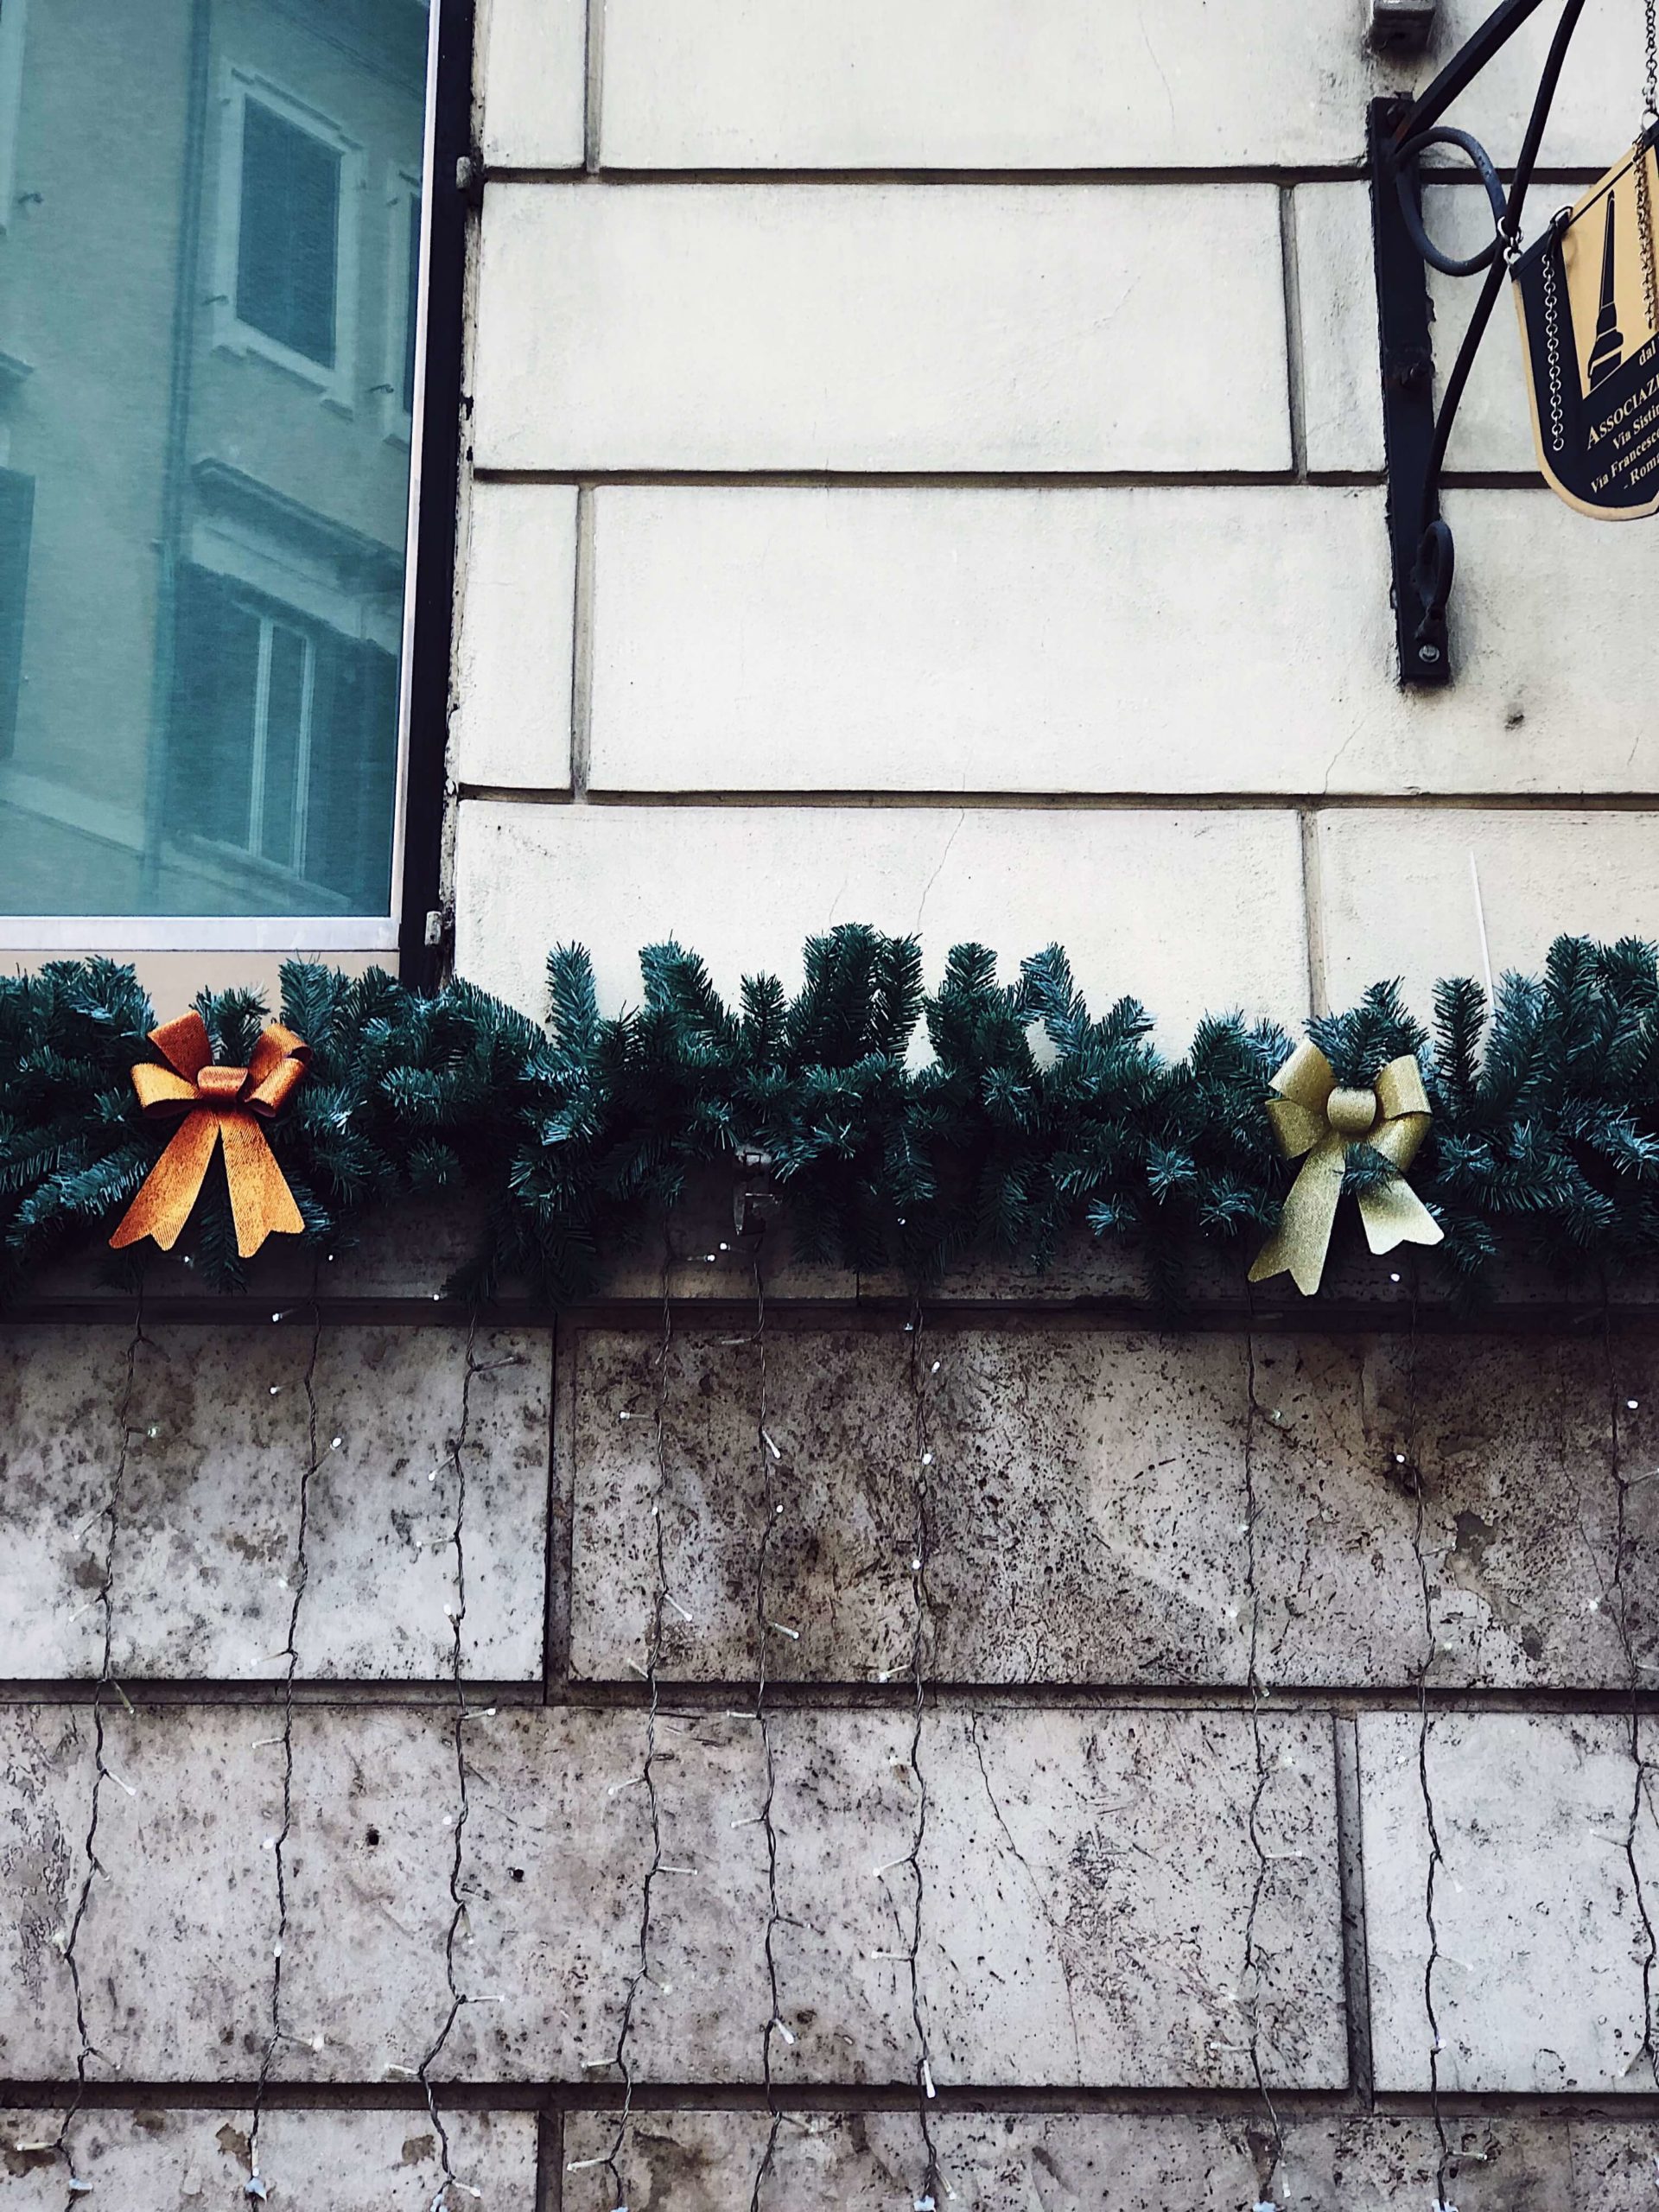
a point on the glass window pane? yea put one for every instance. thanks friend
(202, 519)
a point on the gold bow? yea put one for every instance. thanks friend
(1314, 1114)
(220, 1106)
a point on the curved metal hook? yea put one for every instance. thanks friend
(1465, 144)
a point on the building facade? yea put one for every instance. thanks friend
(762, 1736)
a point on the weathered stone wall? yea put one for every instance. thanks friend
(1273, 1806)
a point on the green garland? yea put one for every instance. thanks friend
(1031, 1119)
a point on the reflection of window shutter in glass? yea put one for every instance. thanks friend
(285, 741)
(215, 676)
(289, 239)
(282, 741)
(353, 770)
(16, 518)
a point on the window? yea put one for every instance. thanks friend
(205, 472)
(290, 192)
(284, 755)
(17, 519)
(13, 17)
(288, 234)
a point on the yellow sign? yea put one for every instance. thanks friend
(1587, 294)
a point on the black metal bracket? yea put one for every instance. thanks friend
(1414, 438)
(1408, 365)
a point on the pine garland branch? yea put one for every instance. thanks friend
(1027, 1121)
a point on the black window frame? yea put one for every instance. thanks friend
(450, 195)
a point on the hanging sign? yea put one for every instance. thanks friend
(1588, 298)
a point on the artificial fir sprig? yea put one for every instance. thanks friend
(1022, 1119)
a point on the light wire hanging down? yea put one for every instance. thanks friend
(256, 2185)
(69, 1936)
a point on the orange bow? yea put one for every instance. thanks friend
(220, 1106)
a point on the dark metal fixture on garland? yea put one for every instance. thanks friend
(1399, 132)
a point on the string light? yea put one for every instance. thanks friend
(1614, 1590)
(613, 2160)
(922, 1458)
(1250, 1999)
(290, 1654)
(455, 1614)
(67, 1948)
(771, 1459)
(1436, 1857)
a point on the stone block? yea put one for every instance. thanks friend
(1112, 2162)
(45, 1778)
(339, 2160)
(894, 636)
(1081, 1509)
(1341, 373)
(1105, 882)
(1511, 1441)
(1396, 897)
(1547, 1851)
(1048, 1848)
(207, 1526)
(531, 71)
(793, 638)
(516, 638)
(1088, 1911)
(893, 327)
(806, 83)
(1062, 1852)
(1549, 682)
(1596, 109)
(1087, 1507)
(174, 1946)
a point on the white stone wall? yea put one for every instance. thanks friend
(926, 468)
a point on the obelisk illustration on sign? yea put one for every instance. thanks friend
(1608, 350)
(1588, 297)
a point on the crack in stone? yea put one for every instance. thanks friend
(1036, 1889)
(614, 2159)
(770, 1459)
(1639, 1769)
(254, 2185)
(457, 1613)
(922, 1460)
(1444, 2160)
(112, 1513)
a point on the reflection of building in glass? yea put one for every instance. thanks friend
(208, 247)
